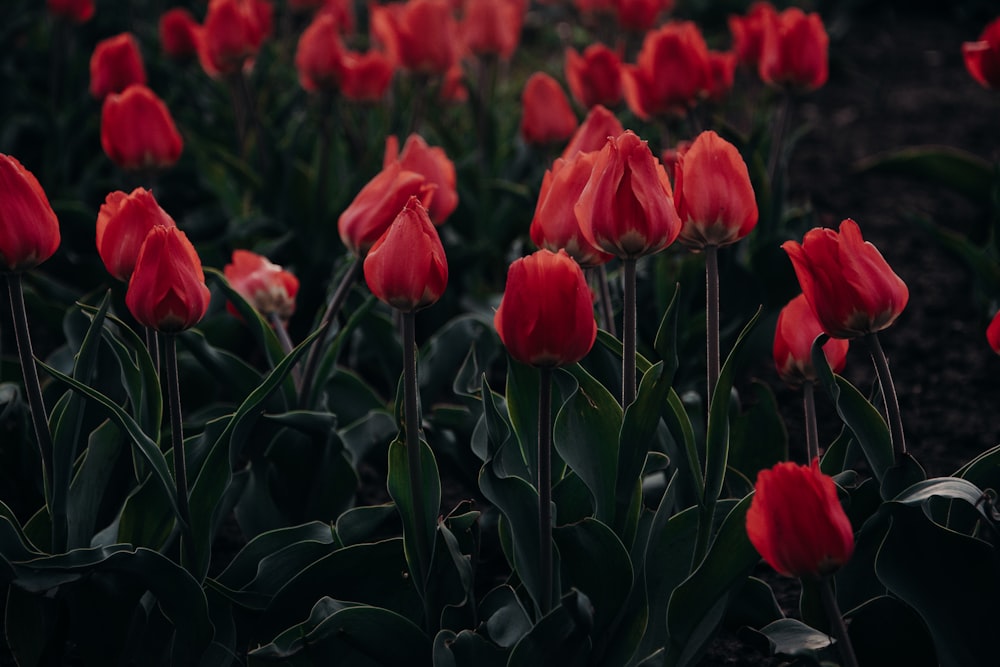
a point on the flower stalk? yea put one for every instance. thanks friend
(411, 425)
(837, 625)
(712, 319)
(177, 437)
(888, 393)
(544, 484)
(812, 430)
(628, 332)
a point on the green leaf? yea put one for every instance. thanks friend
(522, 405)
(401, 492)
(758, 439)
(248, 565)
(260, 329)
(885, 631)
(793, 638)
(560, 638)
(506, 619)
(91, 482)
(368, 524)
(964, 172)
(466, 648)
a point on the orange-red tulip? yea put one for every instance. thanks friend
(265, 285)
(982, 57)
(748, 31)
(794, 53)
(796, 522)
(122, 225)
(366, 76)
(29, 230)
(546, 315)
(627, 207)
(794, 334)
(546, 115)
(320, 54)
(993, 333)
(167, 290)
(846, 281)
(713, 194)
(671, 73)
(406, 268)
(641, 15)
(115, 65)
(232, 34)
(594, 77)
(78, 11)
(179, 33)
(492, 27)
(419, 35)
(377, 205)
(137, 130)
(595, 130)
(433, 164)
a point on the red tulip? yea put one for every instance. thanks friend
(640, 15)
(167, 290)
(377, 205)
(137, 130)
(723, 66)
(115, 65)
(233, 33)
(993, 333)
(453, 90)
(982, 58)
(266, 286)
(320, 54)
(366, 76)
(546, 116)
(796, 522)
(627, 208)
(179, 33)
(671, 73)
(406, 268)
(78, 11)
(595, 77)
(492, 27)
(712, 192)
(29, 230)
(794, 51)
(123, 224)
(546, 315)
(794, 334)
(419, 35)
(850, 287)
(595, 130)
(748, 31)
(554, 225)
(433, 164)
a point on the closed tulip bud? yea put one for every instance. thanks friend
(794, 53)
(266, 286)
(232, 34)
(137, 130)
(492, 27)
(115, 65)
(366, 76)
(713, 194)
(993, 333)
(723, 66)
(453, 89)
(77, 11)
(546, 315)
(595, 130)
(546, 115)
(671, 73)
(796, 522)
(29, 230)
(627, 207)
(167, 290)
(748, 31)
(641, 15)
(123, 223)
(406, 268)
(982, 57)
(420, 35)
(320, 54)
(433, 164)
(848, 284)
(794, 334)
(377, 205)
(179, 34)
(594, 77)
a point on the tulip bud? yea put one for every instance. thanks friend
(796, 522)
(319, 55)
(595, 130)
(377, 205)
(78, 11)
(723, 67)
(671, 72)
(433, 164)
(546, 315)
(232, 34)
(406, 268)
(492, 27)
(419, 35)
(167, 290)
(546, 116)
(640, 15)
(366, 76)
(794, 334)
(982, 57)
(137, 130)
(794, 51)
(123, 223)
(848, 284)
(595, 77)
(179, 34)
(993, 333)
(115, 65)
(748, 31)
(29, 230)
(266, 286)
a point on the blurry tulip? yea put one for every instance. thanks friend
(546, 115)
(137, 130)
(850, 287)
(78, 11)
(232, 34)
(453, 90)
(266, 286)
(406, 268)
(433, 164)
(492, 27)
(794, 334)
(366, 76)
(982, 58)
(419, 35)
(546, 315)
(179, 33)
(377, 205)
(794, 53)
(796, 522)
(640, 15)
(627, 208)
(554, 225)
(320, 54)
(595, 130)
(748, 31)
(671, 73)
(993, 333)
(122, 225)
(723, 66)
(713, 194)
(115, 65)
(167, 290)
(595, 77)
(29, 230)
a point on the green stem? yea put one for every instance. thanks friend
(153, 347)
(411, 424)
(281, 331)
(177, 437)
(544, 484)
(712, 320)
(837, 625)
(888, 393)
(812, 431)
(603, 289)
(628, 333)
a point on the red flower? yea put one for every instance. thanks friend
(419, 35)
(595, 130)
(179, 33)
(266, 286)
(723, 66)
(595, 77)
(712, 192)
(366, 76)
(993, 333)
(982, 58)
(641, 15)
(794, 51)
(406, 268)
(627, 208)
(78, 11)
(233, 33)
(29, 230)
(167, 290)
(546, 116)
(748, 31)
(122, 225)
(433, 164)
(492, 26)
(137, 130)
(320, 54)
(453, 90)
(671, 73)
(554, 225)
(546, 315)
(850, 287)
(796, 522)
(377, 205)
(794, 334)
(115, 65)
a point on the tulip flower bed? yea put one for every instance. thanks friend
(495, 332)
